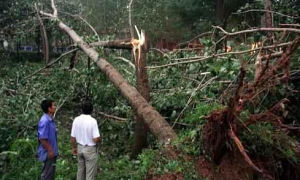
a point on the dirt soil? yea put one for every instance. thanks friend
(230, 168)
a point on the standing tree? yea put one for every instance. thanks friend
(44, 37)
(268, 14)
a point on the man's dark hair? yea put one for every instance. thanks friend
(87, 107)
(46, 104)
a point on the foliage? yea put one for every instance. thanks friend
(189, 139)
(196, 115)
(157, 163)
(265, 141)
(21, 157)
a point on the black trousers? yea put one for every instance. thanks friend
(48, 172)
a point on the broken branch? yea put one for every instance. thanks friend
(257, 29)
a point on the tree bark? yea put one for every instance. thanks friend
(73, 60)
(268, 15)
(141, 129)
(116, 44)
(157, 124)
(220, 10)
(220, 21)
(38, 42)
(44, 38)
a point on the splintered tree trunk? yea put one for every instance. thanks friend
(156, 123)
(141, 129)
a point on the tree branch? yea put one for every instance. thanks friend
(263, 10)
(241, 148)
(200, 85)
(295, 25)
(257, 29)
(92, 28)
(47, 14)
(196, 37)
(50, 64)
(126, 60)
(54, 8)
(129, 19)
(116, 44)
(199, 58)
(111, 116)
(54, 15)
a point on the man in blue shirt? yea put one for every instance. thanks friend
(47, 149)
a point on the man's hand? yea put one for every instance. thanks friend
(97, 140)
(73, 144)
(47, 146)
(74, 151)
(50, 154)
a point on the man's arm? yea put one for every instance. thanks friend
(97, 139)
(48, 148)
(96, 133)
(73, 144)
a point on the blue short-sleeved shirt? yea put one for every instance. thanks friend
(47, 130)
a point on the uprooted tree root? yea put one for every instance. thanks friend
(214, 135)
(220, 133)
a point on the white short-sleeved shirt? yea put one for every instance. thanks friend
(84, 129)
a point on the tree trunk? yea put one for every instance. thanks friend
(116, 44)
(141, 129)
(156, 123)
(268, 15)
(220, 10)
(221, 20)
(73, 60)
(38, 42)
(44, 38)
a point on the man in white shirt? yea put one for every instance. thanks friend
(86, 134)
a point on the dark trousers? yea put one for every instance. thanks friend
(48, 172)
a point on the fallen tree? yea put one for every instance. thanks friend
(224, 125)
(156, 123)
